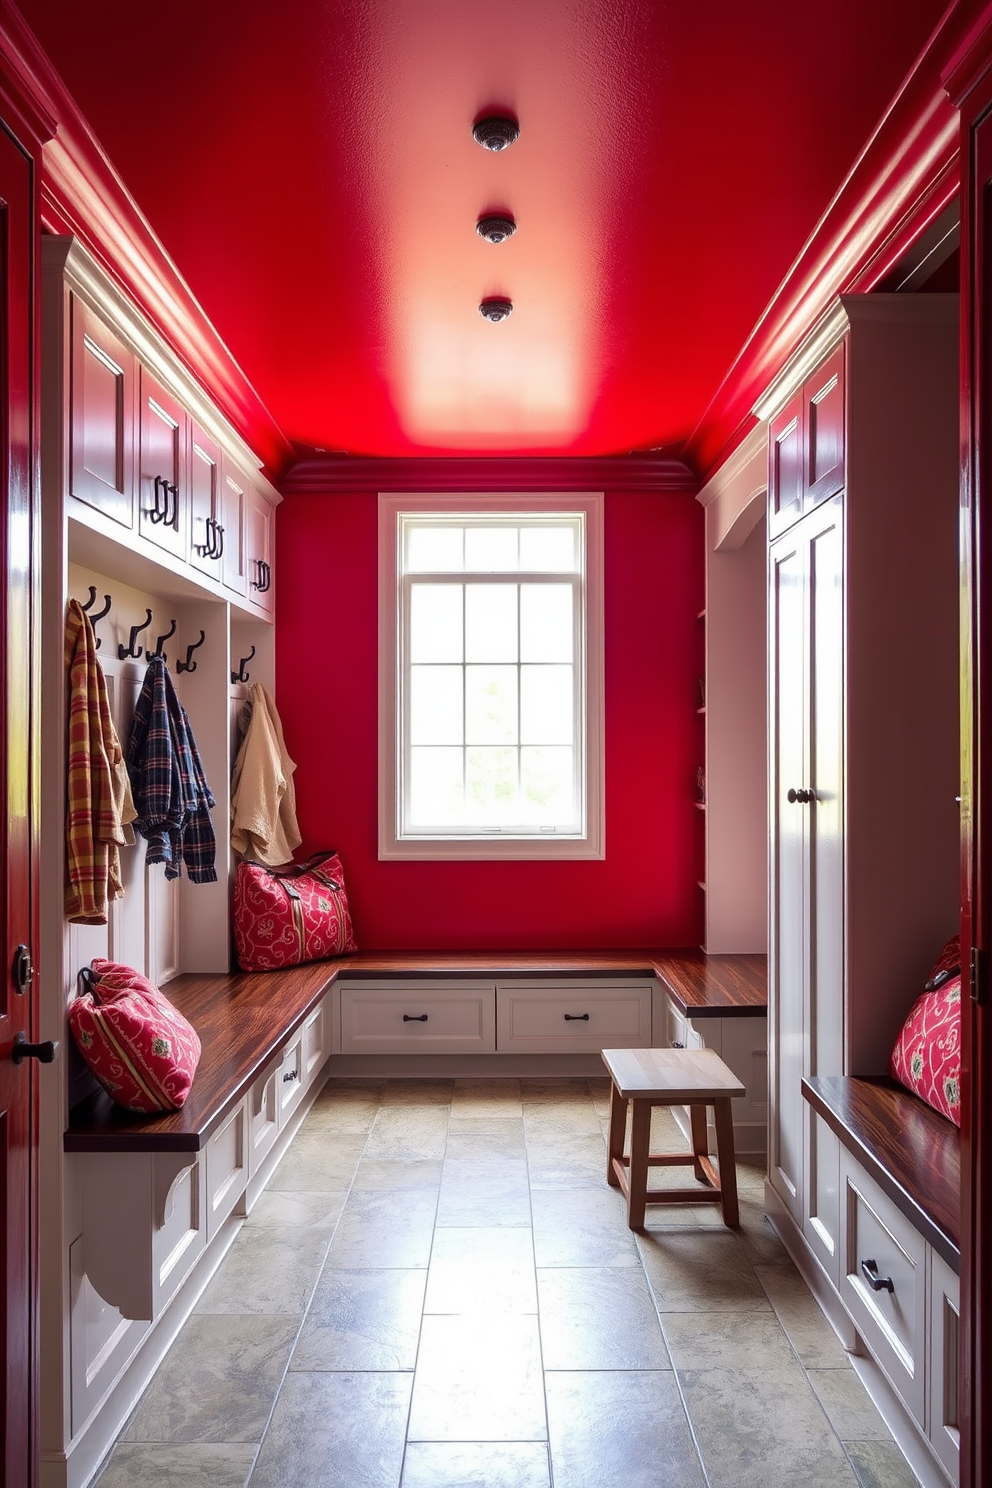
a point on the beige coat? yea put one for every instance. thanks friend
(263, 798)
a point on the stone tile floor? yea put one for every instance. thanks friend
(439, 1290)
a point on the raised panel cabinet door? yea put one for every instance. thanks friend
(785, 467)
(260, 551)
(101, 417)
(163, 432)
(207, 536)
(788, 965)
(823, 415)
(233, 563)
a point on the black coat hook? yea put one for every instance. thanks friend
(158, 644)
(189, 665)
(241, 675)
(130, 650)
(99, 615)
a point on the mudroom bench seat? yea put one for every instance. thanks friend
(897, 1253)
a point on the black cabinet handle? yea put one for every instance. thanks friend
(802, 796)
(290, 1075)
(677, 1045)
(264, 581)
(576, 1017)
(161, 509)
(414, 1017)
(869, 1270)
(44, 1052)
(218, 541)
(172, 519)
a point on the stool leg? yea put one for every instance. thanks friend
(700, 1140)
(640, 1141)
(618, 1131)
(725, 1157)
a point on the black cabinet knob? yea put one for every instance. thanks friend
(800, 795)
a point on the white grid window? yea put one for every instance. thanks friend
(490, 707)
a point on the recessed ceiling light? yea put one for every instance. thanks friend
(496, 308)
(496, 227)
(496, 132)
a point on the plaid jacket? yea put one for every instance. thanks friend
(98, 797)
(170, 790)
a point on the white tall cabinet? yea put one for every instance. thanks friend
(863, 736)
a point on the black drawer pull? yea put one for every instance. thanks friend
(414, 1017)
(290, 1075)
(576, 1017)
(869, 1270)
(677, 1045)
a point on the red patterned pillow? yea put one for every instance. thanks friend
(141, 1048)
(927, 1055)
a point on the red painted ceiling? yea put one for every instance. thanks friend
(309, 165)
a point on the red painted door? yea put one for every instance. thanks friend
(18, 997)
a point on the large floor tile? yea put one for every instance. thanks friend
(486, 1139)
(382, 1229)
(268, 1269)
(476, 1465)
(484, 1194)
(581, 1227)
(760, 1426)
(705, 1270)
(319, 1160)
(551, 1119)
(424, 1092)
(575, 1091)
(599, 1318)
(812, 1337)
(484, 1100)
(348, 1111)
(405, 1131)
(849, 1408)
(217, 1382)
(725, 1340)
(311, 1211)
(193, 1465)
(618, 1430)
(478, 1379)
(881, 1465)
(567, 1161)
(488, 1270)
(368, 1320)
(335, 1430)
(398, 1173)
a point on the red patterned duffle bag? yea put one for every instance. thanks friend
(283, 916)
(141, 1049)
(927, 1054)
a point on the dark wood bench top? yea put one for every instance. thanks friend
(244, 1019)
(912, 1152)
(701, 986)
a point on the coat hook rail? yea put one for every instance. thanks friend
(189, 665)
(96, 615)
(241, 675)
(158, 644)
(126, 653)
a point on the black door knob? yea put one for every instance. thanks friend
(45, 1052)
(799, 795)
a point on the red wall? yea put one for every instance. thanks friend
(644, 893)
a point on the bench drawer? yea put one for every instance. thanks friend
(582, 1018)
(263, 1116)
(290, 1082)
(418, 1018)
(892, 1321)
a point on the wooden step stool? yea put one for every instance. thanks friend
(696, 1078)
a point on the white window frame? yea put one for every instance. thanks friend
(589, 842)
